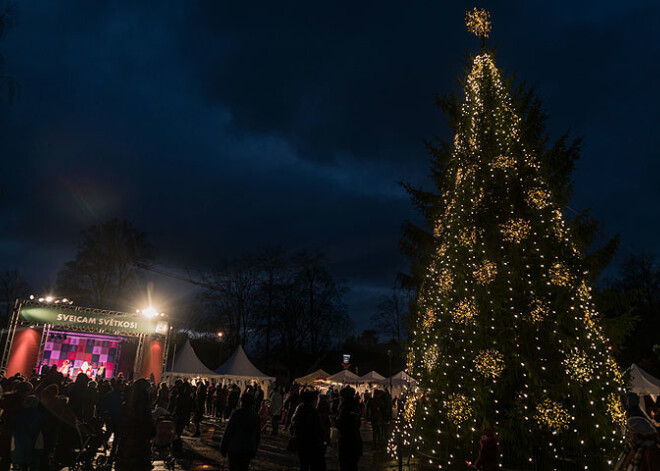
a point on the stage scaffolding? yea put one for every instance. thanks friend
(67, 310)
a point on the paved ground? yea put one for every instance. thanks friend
(203, 453)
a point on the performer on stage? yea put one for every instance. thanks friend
(100, 374)
(85, 369)
(64, 369)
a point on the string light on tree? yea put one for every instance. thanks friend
(486, 272)
(465, 312)
(579, 367)
(539, 311)
(515, 230)
(538, 198)
(560, 275)
(458, 408)
(490, 363)
(505, 330)
(552, 416)
(503, 162)
(478, 22)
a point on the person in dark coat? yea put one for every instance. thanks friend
(200, 407)
(241, 438)
(27, 439)
(221, 394)
(323, 408)
(11, 403)
(79, 397)
(163, 396)
(135, 430)
(487, 459)
(181, 404)
(50, 422)
(306, 427)
(290, 404)
(109, 408)
(349, 447)
(232, 400)
(642, 452)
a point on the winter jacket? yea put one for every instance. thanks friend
(306, 426)
(242, 434)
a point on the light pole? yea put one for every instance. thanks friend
(389, 356)
(220, 335)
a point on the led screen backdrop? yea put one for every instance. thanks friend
(80, 348)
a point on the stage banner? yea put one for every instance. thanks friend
(104, 322)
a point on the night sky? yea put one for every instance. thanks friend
(223, 127)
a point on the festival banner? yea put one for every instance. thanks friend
(100, 321)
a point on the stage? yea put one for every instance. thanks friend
(98, 343)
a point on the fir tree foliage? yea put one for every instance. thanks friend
(507, 334)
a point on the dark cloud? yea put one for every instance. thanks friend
(219, 127)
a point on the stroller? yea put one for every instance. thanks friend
(161, 444)
(91, 440)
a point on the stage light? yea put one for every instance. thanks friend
(41, 300)
(32, 296)
(220, 334)
(49, 299)
(149, 312)
(64, 300)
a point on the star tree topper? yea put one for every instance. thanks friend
(478, 22)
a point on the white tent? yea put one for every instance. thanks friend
(371, 377)
(240, 365)
(239, 369)
(186, 364)
(642, 383)
(399, 379)
(344, 376)
(312, 377)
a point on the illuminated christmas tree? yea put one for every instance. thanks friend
(507, 335)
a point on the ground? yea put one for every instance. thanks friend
(203, 453)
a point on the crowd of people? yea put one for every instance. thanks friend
(314, 420)
(47, 420)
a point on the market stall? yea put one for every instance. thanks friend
(238, 369)
(318, 376)
(343, 377)
(397, 382)
(643, 383)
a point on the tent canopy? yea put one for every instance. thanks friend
(240, 365)
(398, 379)
(642, 383)
(187, 363)
(310, 378)
(344, 376)
(371, 377)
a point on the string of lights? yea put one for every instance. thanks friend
(508, 336)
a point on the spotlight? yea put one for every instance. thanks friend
(149, 312)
